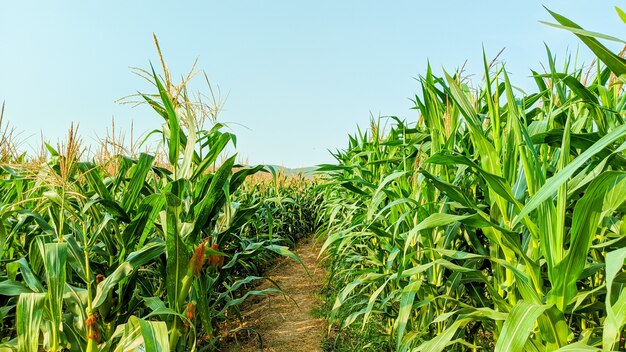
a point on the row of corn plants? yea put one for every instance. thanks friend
(286, 213)
(494, 221)
(291, 203)
(133, 252)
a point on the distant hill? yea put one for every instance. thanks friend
(304, 171)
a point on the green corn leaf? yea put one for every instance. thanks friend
(145, 219)
(372, 300)
(141, 334)
(615, 308)
(92, 173)
(212, 199)
(442, 340)
(452, 191)
(578, 141)
(554, 328)
(111, 207)
(239, 176)
(189, 148)
(136, 259)
(518, 325)
(27, 274)
(137, 181)
(156, 106)
(175, 133)
(3, 237)
(55, 258)
(406, 306)
(605, 194)
(216, 147)
(551, 186)
(177, 252)
(379, 195)
(581, 32)
(615, 63)
(13, 288)
(76, 257)
(497, 184)
(238, 301)
(285, 252)
(155, 335)
(621, 14)
(30, 309)
(489, 159)
(578, 347)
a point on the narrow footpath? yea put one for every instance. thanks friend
(288, 324)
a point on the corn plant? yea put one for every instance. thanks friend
(492, 222)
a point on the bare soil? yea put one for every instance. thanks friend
(287, 324)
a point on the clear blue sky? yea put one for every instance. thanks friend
(299, 75)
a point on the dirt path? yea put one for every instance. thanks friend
(283, 325)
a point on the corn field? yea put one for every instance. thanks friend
(494, 221)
